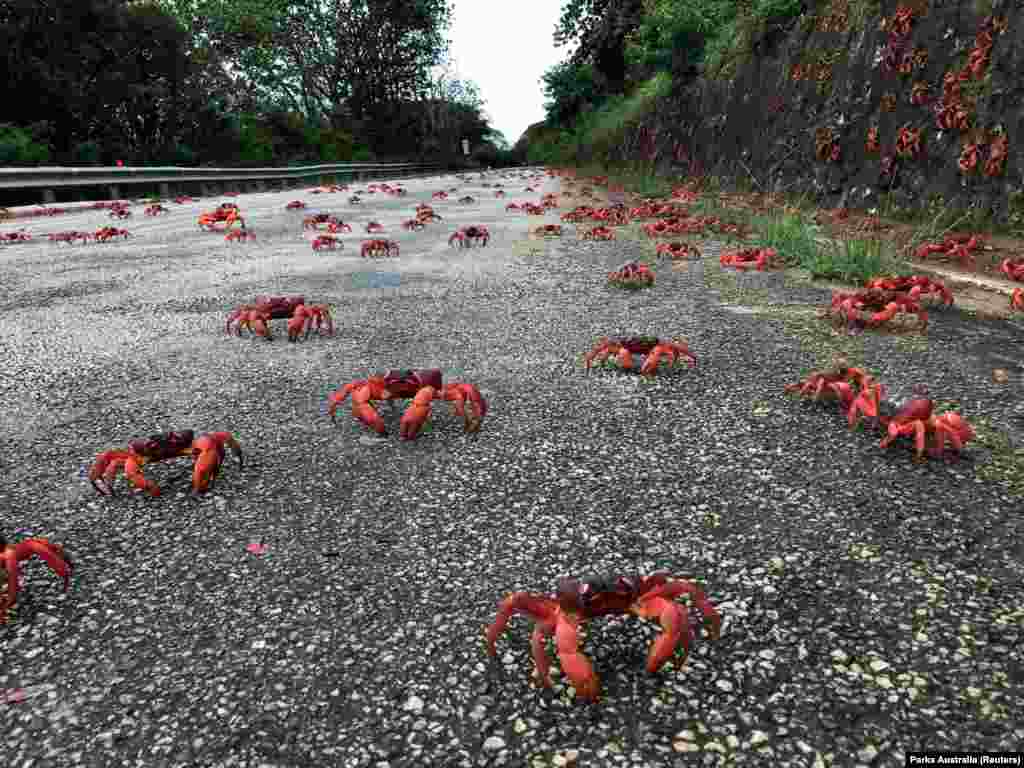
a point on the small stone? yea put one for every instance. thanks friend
(767, 654)
(973, 692)
(686, 736)
(883, 681)
(685, 746)
(804, 747)
(723, 685)
(840, 657)
(877, 665)
(732, 741)
(868, 754)
(414, 704)
(493, 744)
(714, 746)
(757, 738)
(520, 726)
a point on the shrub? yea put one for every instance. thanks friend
(17, 147)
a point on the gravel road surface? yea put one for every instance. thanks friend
(872, 605)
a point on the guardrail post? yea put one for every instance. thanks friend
(114, 192)
(165, 189)
(49, 196)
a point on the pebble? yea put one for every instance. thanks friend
(493, 744)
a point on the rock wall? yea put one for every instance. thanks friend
(917, 106)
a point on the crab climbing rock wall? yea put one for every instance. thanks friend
(920, 105)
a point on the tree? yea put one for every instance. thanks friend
(569, 88)
(601, 27)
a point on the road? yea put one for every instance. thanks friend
(872, 605)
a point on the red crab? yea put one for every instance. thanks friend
(326, 242)
(1013, 269)
(440, 195)
(751, 258)
(155, 210)
(224, 217)
(12, 554)
(832, 384)
(238, 235)
(257, 316)
(969, 157)
(871, 308)
(930, 431)
(413, 224)
(295, 205)
(182, 199)
(915, 286)
(513, 207)
(70, 237)
(499, 193)
(103, 234)
(465, 237)
(548, 230)
(997, 153)
(678, 251)
(871, 145)
(599, 233)
(423, 386)
(119, 212)
(21, 236)
(623, 348)
(374, 228)
(337, 225)
(427, 215)
(578, 600)
(954, 246)
(632, 274)
(207, 451)
(1017, 299)
(908, 142)
(377, 248)
(318, 219)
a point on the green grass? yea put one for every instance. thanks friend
(855, 261)
(790, 235)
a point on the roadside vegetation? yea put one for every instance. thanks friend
(629, 56)
(190, 82)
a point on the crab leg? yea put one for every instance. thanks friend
(459, 394)
(416, 414)
(576, 666)
(675, 624)
(11, 554)
(105, 468)
(543, 610)
(133, 471)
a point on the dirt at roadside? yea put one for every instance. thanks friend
(979, 287)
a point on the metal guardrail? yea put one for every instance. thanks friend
(53, 177)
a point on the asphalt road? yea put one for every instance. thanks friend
(872, 605)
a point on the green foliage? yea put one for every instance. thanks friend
(794, 237)
(86, 153)
(17, 147)
(854, 261)
(569, 89)
(255, 142)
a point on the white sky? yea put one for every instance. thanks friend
(504, 46)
